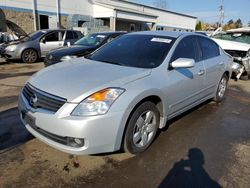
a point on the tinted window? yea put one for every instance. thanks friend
(52, 37)
(70, 35)
(209, 48)
(111, 38)
(91, 40)
(187, 48)
(75, 35)
(142, 51)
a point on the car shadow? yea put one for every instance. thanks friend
(189, 173)
(10, 75)
(12, 132)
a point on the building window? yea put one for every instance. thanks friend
(132, 27)
(80, 23)
(44, 21)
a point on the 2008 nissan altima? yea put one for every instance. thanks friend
(123, 93)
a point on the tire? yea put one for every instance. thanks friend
(141, 128)
(221, 90)
(29, 56)
(244, 76)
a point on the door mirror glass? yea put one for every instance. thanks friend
(183, 63)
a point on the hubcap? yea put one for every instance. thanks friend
(222, 87)
(30, 56)
(144, 129)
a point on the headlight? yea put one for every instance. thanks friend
(11, 48)
(98, 103)
(68, 57)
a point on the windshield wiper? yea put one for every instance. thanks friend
(88, 56)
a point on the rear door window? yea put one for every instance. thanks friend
(209, 48)
(52, 37)
(70, 35)
(75, 35)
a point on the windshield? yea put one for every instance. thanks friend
(142, 51)
(34, 35)
(91, 40)
(237, 37)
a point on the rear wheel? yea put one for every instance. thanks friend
(142, 128)
(221, 90)
(29, 56)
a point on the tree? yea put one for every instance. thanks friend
(248, 24)
(198, 26)
(230, 22)
(238, 23)
(160, 4)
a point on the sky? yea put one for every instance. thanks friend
(208, 10)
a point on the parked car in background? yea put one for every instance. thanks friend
(82, 47)
(121, 94)
(236, 42)
(30, 47)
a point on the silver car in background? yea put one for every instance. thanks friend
(119, 96)
(29, 48)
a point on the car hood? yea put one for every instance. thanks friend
(72, 50)
(231, 45)
(16, 29)
(79, 78)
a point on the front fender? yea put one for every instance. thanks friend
(132, 99)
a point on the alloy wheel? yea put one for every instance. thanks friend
(144, 129)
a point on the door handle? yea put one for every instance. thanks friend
(201, 72)
(221, 63)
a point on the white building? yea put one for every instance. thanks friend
(92, 15)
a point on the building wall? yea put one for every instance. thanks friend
(49, 6)
(165, 18)
(21, 12)
(125, 25)
(173, 20)
(23, 19)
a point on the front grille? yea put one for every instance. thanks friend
(40, 99)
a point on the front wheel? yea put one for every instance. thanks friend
(221, 90)
(244, 76)
(142, 128)
(29, 56)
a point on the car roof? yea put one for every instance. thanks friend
(111, 32)
(173, 34)
(49, 30)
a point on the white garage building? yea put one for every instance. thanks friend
(92, 15)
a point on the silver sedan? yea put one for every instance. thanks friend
(123, 93)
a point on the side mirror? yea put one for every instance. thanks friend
(183, 63)
(43, 40)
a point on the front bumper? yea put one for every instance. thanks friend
(239, 67)
(10, 55)
(246, 63)
(100, 133)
